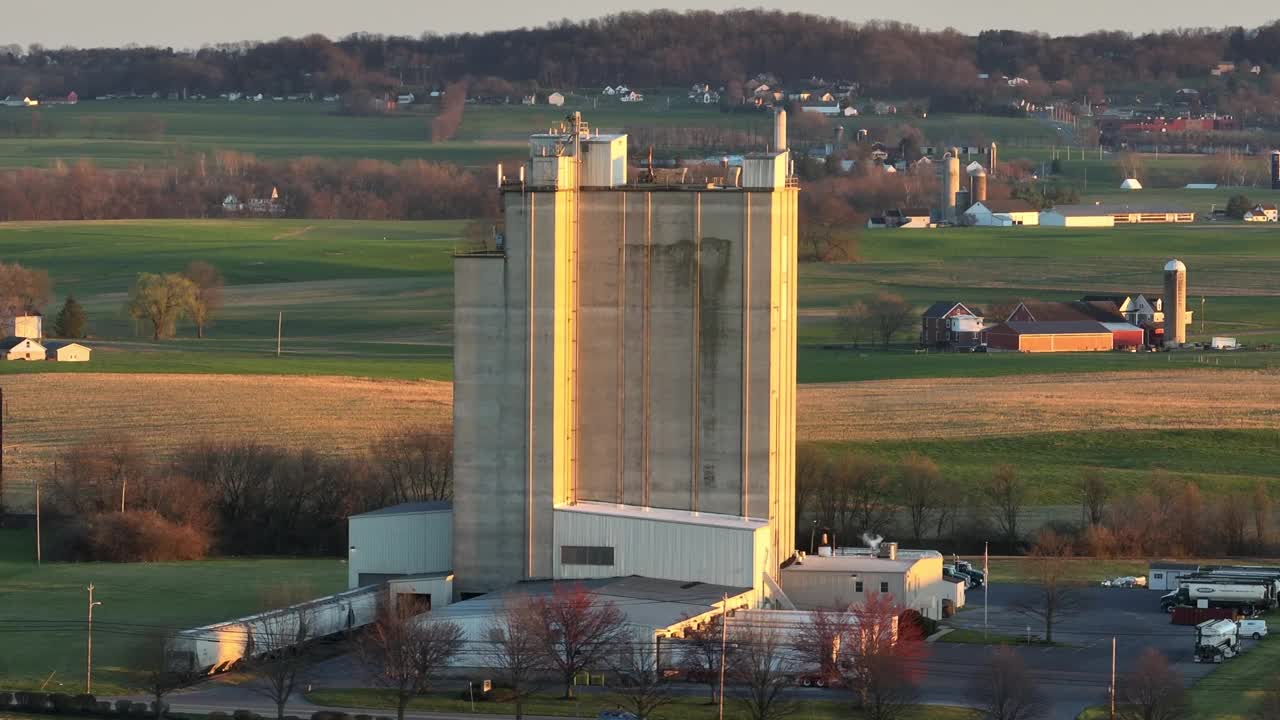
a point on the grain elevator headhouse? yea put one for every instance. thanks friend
(625, 371)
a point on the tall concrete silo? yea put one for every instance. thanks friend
(994, 157)
(1275, 169)
(1175, 303)
(950, 186)
(978, 186)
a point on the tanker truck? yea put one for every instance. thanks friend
(1221, 593)
(1217, 640)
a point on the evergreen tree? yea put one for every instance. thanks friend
(71, 321)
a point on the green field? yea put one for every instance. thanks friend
(375, 298)
(590, 703)
(111, 133)
(1051, 463)
(42, 609)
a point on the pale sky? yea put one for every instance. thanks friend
(191, 23)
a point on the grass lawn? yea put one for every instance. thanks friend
(42, 609)
(592, 702)
(1051, 463)
(1078, 570)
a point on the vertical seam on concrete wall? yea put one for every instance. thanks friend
(746, 360)
(572, 385)
(648, 299)
(621, 369)
(529, 373)
(696, 469)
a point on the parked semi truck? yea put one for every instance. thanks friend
(1217, 640)
(1221, 593)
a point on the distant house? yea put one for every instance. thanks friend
(699, 88)
(19, 348)
(66, 351)
(1223, 68)
(556, 99)
(529, 100)
(15, 101)
(950, 325)
(266, 206)
(609, 91)
(1262, 213)
(632, 96)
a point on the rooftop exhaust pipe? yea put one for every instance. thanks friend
(780, 131)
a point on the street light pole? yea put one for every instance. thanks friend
(724, 647)
(88, 675)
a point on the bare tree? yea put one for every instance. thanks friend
(884, 655)
(888, 313)
(1005, 690)
(515, 652)
(208, 283)
(22, 291)
(855, 320)
(1233, 521)
(642, 688)
(405, 654)
(869, 504)
(824, 642)
(278, 655)
(921, 491)
(1093, 496)
(1261, 509)
(416, 463)
(1153, 691)
(1054, 597)
(1006, 495)
(578, 631)
(701, 650)
(763, 667)
(811, 470)
(162, 675)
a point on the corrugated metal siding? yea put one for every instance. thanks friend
(400, 544)
(665, 550)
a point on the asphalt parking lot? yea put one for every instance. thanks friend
(1077, 673)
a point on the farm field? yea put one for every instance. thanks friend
(42, 608)
(110, 133)
(332, 415)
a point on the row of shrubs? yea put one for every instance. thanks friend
(83, 704)
(86, 704)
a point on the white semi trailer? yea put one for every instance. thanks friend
(1220, 593)
(1217, 640)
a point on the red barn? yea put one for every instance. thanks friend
(1068, 336)
(1126, 335)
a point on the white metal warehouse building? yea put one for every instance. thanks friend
(398, 541)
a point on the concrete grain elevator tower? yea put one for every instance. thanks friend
(625, 367)
(950, 185)
(1175, 303)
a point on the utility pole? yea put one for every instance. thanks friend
(88, 675)
(279, 331)
(124, 485)
(724, 647)
(39, 559)
(1113, 677)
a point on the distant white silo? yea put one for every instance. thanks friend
(1175, 303)
(991, 162)
(950, 186)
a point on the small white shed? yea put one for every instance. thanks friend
(66, 351)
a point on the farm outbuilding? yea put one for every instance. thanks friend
(1092, 216)
(1002, 213)
(21, 348)
(1126, 214)
(403, 540)
(1126, 335)
(1070, 336)
(65, 351)
(1167, 575)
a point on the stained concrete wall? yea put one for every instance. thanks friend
(659, 353)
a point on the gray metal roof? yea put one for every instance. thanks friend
(851, 563)
(409, 508)
(646, 602)
(1057, 328)
(1118, 209)
(13, 341)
